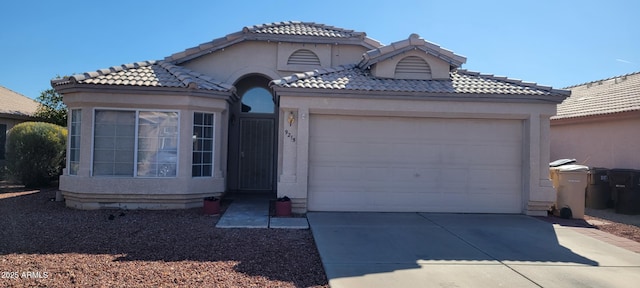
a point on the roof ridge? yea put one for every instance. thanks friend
(112, 69)
(285, 23)
(179, 73)
(601, 80)
(198, 75)
(513, 81)
(313, 73)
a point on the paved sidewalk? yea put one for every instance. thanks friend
(465, 250)
(254, 213)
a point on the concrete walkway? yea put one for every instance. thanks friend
(251, 212)
(464, 250)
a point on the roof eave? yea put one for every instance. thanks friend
(632, 112)
(403, 95)
(121, 89)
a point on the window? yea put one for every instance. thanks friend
(74, 141)
(202, 165)
(3, 139)
(157, 144)
(257, 100)
(116, 148)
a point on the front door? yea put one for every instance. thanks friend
(256, 153)
(252, 138)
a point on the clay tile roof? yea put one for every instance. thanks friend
(16, 104)
(302, 29)
(146, 74)
(351, 77)
(607, 96)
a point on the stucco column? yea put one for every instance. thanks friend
(295, 140)
(289, 146)
(217, 158)
(541, 192)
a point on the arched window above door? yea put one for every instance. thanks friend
(257, 100)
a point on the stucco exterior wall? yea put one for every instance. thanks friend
(609, 141)
(269, 59)
(86, 191)
(10, 122)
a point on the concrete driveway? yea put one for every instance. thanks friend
(464, 250)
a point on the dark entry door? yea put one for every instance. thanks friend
(256, 153)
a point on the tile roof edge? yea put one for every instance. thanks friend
(184, 75)
(112, 69)
(606, 79)
(304, 75)
(585, 115)
(515, 81)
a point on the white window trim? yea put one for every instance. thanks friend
(213, 144)
(70, 124)
(135, 152)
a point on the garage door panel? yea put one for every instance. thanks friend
(359, 163)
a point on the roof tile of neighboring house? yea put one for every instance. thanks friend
(351, 77)
(613, 95)
(147, 74)
(14, 103)
(414, 42)
(288, 31)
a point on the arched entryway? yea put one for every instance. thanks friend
(252, 137)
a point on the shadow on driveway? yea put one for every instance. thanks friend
(482, 250)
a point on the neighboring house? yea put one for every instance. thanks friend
(598, 125)
(326, 116)
(14, 108)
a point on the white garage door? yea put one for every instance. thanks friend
(398, 164)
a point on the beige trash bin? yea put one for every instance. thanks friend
(570, 182)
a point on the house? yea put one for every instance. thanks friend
(327, 116)
(598, 124)
(15, 108)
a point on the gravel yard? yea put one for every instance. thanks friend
(44, 244)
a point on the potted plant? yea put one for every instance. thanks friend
(211, 206)
(283, 207)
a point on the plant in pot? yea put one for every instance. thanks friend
(211, 206)
(283, 207)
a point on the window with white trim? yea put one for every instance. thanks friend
(74, 141)
(135, 143)
(202, 165)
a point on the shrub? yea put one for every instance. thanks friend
(35, 152)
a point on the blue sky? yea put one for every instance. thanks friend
(556, 43)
